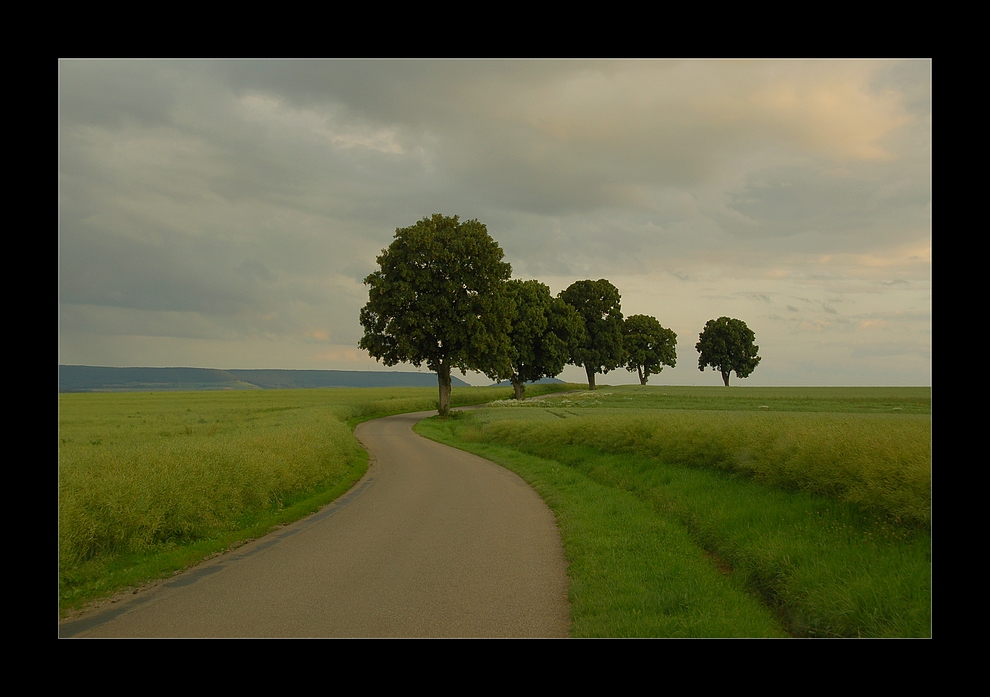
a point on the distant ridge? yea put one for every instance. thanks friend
(85, 378)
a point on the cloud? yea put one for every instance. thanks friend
(761, 297)
(893, 348)
(245, 201)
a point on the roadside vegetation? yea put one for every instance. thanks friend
(739, 511)
(682, 507)
(150, 483)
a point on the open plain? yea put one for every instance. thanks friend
(675, 512)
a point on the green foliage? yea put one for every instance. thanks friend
(648, 346)
(543, 334)
(727, 345)
(598, 304)
(439, 298)
(824, 513)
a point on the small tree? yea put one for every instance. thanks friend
(597, 302)
(439, 298)
(648, 346)
(543, 334)
(727, 345)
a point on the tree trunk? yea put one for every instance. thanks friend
(518, 387)
(725, 377)
(443, 378)
(591, 377)
(642, 378)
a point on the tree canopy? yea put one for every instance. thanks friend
(543, 334)
(726, 345)
(648, 345)
(598, 304)
(439, 298)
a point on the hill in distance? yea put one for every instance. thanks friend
(85, 378)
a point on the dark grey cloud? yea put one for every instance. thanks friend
(156, 271)
(761, 297)
(863, 209)
(566, 157)
(113, 93)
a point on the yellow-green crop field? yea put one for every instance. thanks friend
(151, 482)
(872, 451)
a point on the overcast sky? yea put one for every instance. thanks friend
(225, 213)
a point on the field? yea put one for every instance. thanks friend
(153, 482)
(729, 512)
(684, 511)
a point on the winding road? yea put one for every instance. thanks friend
(432, 542)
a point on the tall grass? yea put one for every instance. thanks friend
(130, 497)
(145, 476)
(879, 462)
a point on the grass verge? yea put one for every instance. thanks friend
(632, 572)
(821, 565)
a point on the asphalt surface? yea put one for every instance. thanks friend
(432, 542)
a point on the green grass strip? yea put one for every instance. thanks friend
(823, 567)
(632, 571)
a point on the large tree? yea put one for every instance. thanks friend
(598, 304)
(544, 332)
(439, 298)
(726, 345)
(648, 345)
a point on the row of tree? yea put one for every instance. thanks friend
(581, 326)
(442, 296)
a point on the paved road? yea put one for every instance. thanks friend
(433, 542)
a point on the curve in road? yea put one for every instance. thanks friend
(432, 542)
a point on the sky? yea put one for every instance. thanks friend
(224, 213)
